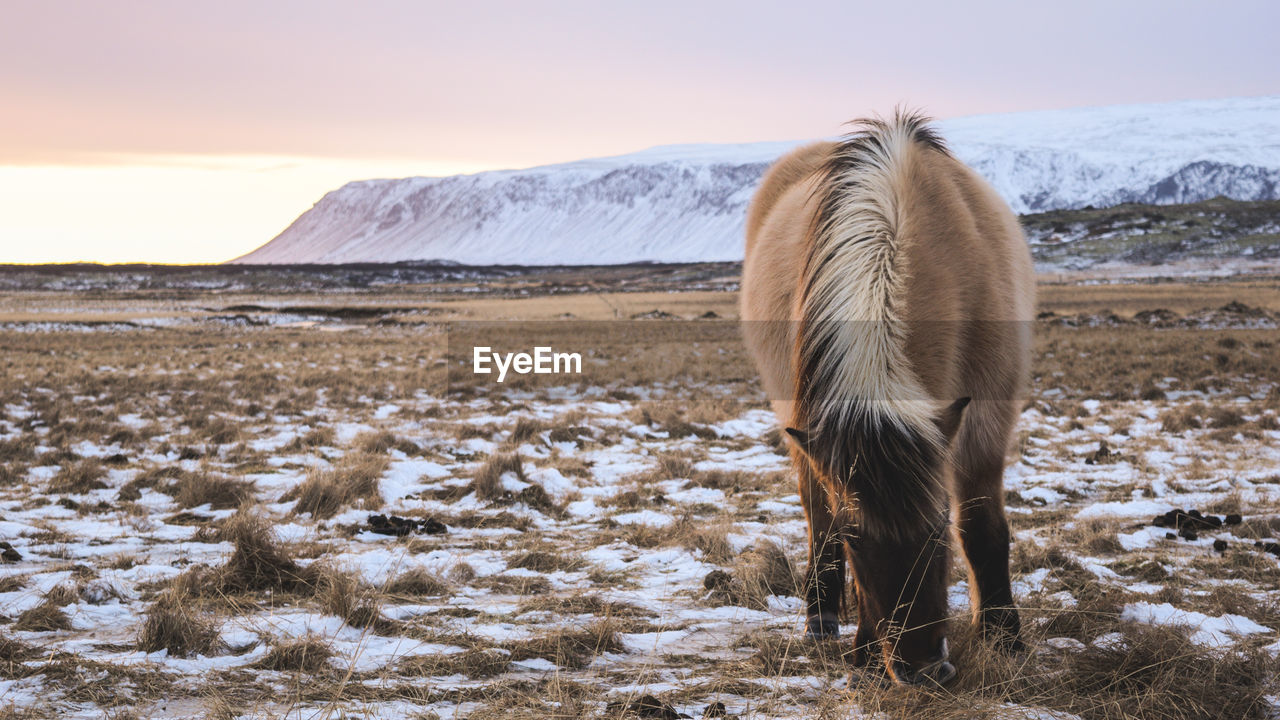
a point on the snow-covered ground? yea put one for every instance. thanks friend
(577, 575)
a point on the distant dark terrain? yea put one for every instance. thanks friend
(1132, 236)
(1154, 234)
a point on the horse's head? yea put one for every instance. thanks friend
(891, 483)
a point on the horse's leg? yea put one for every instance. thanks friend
(984, 534)
(824, 577)
(866, 641)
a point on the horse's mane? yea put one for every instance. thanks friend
(865, 413)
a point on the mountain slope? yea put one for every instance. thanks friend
(687, 203)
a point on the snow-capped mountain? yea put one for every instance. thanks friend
(687, 203)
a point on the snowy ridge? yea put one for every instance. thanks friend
(687, 203)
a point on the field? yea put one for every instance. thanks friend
(192, 474)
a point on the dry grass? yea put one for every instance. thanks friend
(323, 436)
(709, 538)
(173, 624)
(342, 594)
(13, 653)
(379, 443)
(527, 429)
(514, 584)
(757, 573)
(228, 385)
(353, 480)
(487, 484)
(418, 582)
(45, 617)
(572, 647)
(1146, 672)
(257, 563)
(79, 477)
(308, 655)
(194, 490)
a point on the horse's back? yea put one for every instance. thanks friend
(777, 225)
(970, 294)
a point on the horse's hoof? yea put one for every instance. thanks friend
(820, 628)
(934, 675)
(937, 673)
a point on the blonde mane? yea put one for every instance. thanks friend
(850, 349)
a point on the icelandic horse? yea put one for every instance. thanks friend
(887, 299)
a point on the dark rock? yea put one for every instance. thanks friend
(715, 710)
(399, 527)
(1233, 519)
(1194, 519)
(1188, 533)
(8, 554)
(645, 706)
(1170, 536)
(655, 315)
(1104, 454)
(1220, 545)
(716, 580)
(1270, 547)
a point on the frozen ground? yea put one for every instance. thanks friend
(584, 528)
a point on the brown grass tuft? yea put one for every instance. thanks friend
(378, 443)
(217, 491)
(342, 594)
(418, 582)
(473, 663)
(546, 560)
(307, 655)
(323, 436)
(257, 563)
(79, 477)
(45, 617)
(173, 625)
(353, 479)
(12, 654)
(487, 483)
(572, 648)
(527, 429)
(711, 538)
(1181, 419)
(759, 572)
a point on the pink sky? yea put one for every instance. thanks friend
(178, 100)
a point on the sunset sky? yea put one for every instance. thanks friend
(194, 132)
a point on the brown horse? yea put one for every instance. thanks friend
(887, 296)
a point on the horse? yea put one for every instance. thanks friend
(887, 300)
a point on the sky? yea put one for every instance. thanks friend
(185, 132)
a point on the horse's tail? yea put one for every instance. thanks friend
(857, 396)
